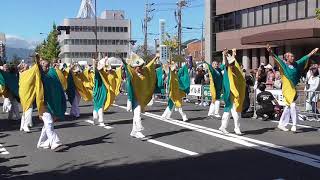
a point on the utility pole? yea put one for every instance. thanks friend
(178, 15)
(96, 27)
(147, 19)
(202, 40)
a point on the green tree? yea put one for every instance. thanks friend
(50, 49)
(318, 13)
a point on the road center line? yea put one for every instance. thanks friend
(288, 153)
(191, 153)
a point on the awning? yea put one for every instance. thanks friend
(279, 37)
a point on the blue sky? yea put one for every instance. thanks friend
(26, 19)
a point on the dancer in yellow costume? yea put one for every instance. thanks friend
(107, 83)
(141, 84)
(233, 91)
(178, 86)
(291, 72)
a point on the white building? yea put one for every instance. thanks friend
(114, 34)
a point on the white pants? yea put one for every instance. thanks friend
(14, 111)
(98, 116)
(137, 125)
(48, 136)
(289, 111)
(75, 110)
(167, 113)
(26, 119)
(226, 117)
(214, 108)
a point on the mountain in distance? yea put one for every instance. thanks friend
(19, 52)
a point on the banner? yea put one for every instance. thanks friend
(277, 94)
(195, 90)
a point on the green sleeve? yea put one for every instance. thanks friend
(302, 63)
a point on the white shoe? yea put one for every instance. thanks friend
(101, 125)
(237, 131)
(133, 133)
(217, 116)
(139, 135)
(43, 146)
(184, 118)
(26, 129)
(223, 130)
(55, 146)
(283, 128)
(294, 128)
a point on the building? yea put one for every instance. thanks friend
(2, 47)
(194, 49)
(113, 31)
(248, 25)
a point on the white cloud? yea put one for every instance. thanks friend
(14, 41)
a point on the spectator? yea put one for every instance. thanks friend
(313, 83)
(277, 80)
(270, 77)
(199, 79)
(246, 103)
(266, 100)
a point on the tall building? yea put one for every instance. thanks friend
(2, 47)
(113, 31)
(248, 25)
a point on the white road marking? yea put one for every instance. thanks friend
(175, 148)
(91, 122)
(288, 153)
(3, 150)
(162, 102)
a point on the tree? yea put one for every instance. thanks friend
(140, 52)
(50, 49)
(15, 60)
(318, 13)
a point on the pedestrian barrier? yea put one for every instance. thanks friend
(306, 102)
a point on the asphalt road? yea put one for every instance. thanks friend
(172, 150)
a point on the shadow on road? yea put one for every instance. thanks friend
(98, 140)
(233, 164)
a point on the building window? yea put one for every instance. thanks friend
(266, 14)
(76, 28)
(109, 29)
(117, 29)
(238, 20)
(113, 29)
(292, 10)
(312, 5)
(274, 13)
(244, 18)
(125, 29)
(283, 11)
(228, 21)
(301, 9)
(105, 29)
(251, 17)
(258, 16)
(219, 24)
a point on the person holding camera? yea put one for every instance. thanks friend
(266, 101)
